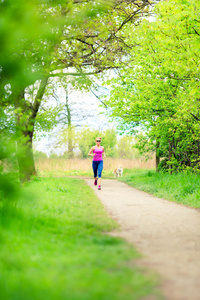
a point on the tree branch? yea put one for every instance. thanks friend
(97, 97)
(38, 98)
(195, 117)
(195, 31)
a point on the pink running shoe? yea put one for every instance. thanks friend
(99, 187)
(95, 182)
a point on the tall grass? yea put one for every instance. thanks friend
(84, 165)
(181, 187)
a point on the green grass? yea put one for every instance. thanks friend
(54, 246)
(182, 188)
(74, 173)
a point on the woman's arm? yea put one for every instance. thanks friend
(90, 152)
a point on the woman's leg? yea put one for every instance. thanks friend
(95, 166)
(100, 169)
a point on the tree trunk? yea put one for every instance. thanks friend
(70, 153)
(157, 156)
(70, 144)
(170, 155)
(25, 156)
(25, 116)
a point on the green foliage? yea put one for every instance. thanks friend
(180, 187)
(7, 122)
(125, 148)
(160, 92)
(46, 118)
(9, 185)
(109, 141)
(87, 139)
(83, 140)
(39, 154)
(67, 139)
(60, 251)
(9, 190)
(34, 29)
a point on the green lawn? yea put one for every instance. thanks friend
(182, 188)
(54, 246)
(75, 173)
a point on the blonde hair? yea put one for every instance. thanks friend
(98, 138)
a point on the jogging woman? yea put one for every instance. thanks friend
(97, 163)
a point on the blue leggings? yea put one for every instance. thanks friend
(97, 166)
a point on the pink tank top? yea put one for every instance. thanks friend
(98, 153)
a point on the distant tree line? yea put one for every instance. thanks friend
(83, 140)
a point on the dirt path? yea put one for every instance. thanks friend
(167, 234)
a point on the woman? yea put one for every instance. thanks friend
(97, 163)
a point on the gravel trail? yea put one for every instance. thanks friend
(167, 234)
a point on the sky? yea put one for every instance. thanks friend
(83, 103)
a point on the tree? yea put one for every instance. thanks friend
(109, 141)
(74, 38)
(87, 137)
(75, 112)
(125, 147)
(160, 91)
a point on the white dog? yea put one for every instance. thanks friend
(118, 172)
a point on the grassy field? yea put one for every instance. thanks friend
(53, 240)
(54, 246)
(83, 167)
(182, 188)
